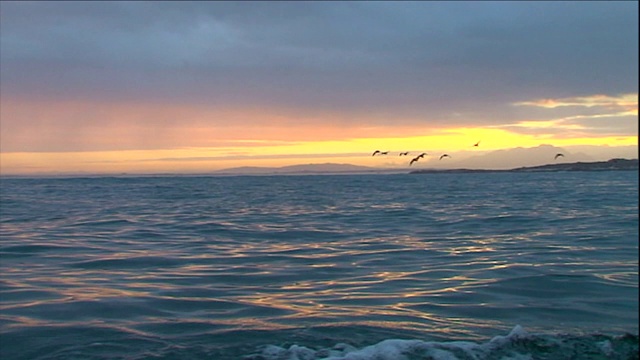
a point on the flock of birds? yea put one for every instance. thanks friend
(422, 155)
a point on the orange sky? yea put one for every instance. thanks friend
(202, 86)
(181, 139)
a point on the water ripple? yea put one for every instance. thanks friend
(152, 266)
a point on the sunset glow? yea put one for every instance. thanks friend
(205, 102)
(354, 151)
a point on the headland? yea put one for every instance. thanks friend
(613, 164)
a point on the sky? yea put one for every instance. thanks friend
(194, 87)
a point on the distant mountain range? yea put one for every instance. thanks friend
(540, 158)
(329, 168)
(326, 168)
(512, 158)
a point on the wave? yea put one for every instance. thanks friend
(518, 344)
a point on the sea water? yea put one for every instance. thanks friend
(403, 266)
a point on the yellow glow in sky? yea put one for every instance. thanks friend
(356, 151)
(151, 138)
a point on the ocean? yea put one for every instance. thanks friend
(369, 267)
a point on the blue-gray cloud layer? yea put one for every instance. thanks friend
(420, 59)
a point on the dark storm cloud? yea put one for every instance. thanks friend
(420, 59)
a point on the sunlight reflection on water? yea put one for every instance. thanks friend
(323, 254)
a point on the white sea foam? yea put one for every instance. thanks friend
(398, 349)
(517, 345)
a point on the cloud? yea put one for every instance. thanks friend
(405, 57)
(626, 101)
(87, 76)
(604, 115)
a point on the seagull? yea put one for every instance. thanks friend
(558, 155)
(476, 144)
(379, 152)
(444, 155)
(404, 153)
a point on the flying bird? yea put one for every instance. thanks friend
(558, 155)
(476, 144)
(404, 153)
(379, 152)
(444, 155)
(417, 158)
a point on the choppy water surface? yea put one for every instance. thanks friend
(432, 266)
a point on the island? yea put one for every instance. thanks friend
(613, 164)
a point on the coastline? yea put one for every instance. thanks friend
(613, 164)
